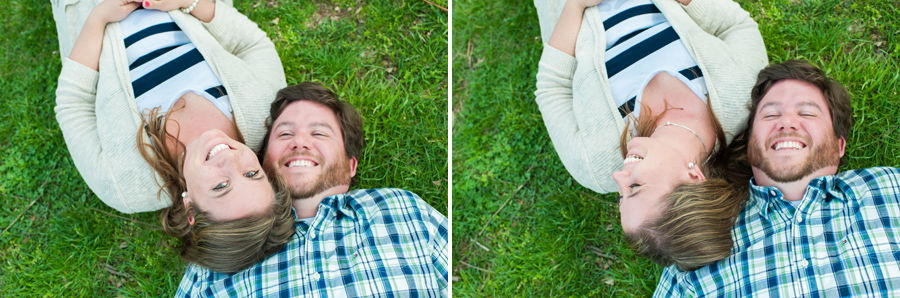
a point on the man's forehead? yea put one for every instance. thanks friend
(309, 111)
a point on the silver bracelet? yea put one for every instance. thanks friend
(190, 9)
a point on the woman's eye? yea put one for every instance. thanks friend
(251, 174)
(633, 185)
(221, 186)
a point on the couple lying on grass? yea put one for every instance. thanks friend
(181, 105)
(726, 167)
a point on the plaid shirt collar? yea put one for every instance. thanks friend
(336, 206)
(770, 201)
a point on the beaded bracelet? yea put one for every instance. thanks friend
(190, 9)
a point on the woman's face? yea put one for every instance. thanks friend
(651, 170)
(224, 178)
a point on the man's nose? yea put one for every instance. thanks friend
(787, 123)
(299, 142)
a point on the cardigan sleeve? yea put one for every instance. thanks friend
(76, 94)
(554, 96)
(242, 37)
(726, 20)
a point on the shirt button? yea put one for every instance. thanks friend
(317, 275)
(799, 219)
(804, 263)
(773, 193)
(312, 236)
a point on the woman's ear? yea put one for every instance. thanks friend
(696, 174)
(187, 207)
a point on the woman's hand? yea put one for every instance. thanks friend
(114, 10)
(167, 5)
(204, 10)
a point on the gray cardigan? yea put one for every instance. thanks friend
(98, 115)
(573, 92)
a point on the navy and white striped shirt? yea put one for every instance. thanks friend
(164, 64)
(641, 43)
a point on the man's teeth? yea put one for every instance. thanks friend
(301, 163)
(216, 149)
(633, 158)
(788, 145)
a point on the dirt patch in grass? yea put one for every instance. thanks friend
(326, 11)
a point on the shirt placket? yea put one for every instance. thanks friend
(800, 253)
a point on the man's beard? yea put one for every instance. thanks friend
(820, 156)
(333, 174)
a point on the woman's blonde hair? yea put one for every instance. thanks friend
(695, 226)
(221, 246)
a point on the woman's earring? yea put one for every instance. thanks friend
(184, 193)
(690, 165)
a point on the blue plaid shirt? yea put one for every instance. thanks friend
(842, 240)
(364, 243)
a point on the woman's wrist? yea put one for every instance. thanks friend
(191, 4)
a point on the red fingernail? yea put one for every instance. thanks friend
(146, 3)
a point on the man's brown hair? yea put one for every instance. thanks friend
(348, 117)
(836, 95)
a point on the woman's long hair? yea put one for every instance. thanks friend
(221, 246)
(695, 226)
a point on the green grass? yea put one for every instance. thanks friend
(389, 59)
(557, 238)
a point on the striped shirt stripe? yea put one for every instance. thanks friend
(639, 51)
(155, 29)
(168, 70)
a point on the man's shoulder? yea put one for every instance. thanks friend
(870, 173)
(384, 200)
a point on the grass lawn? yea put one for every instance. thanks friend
(553, 237)
(389, 58)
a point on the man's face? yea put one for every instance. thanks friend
(792, 134)
(306, 149)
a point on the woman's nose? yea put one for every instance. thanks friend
(620, 177)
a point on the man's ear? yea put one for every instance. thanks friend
(696, 174)
(842, 142)
(353, 166)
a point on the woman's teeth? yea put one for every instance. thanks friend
(633, 159)
(216, 149)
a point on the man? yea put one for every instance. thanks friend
(805, 230)
(359, 243)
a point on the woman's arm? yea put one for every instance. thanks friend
(242, 37)
(555, 96)
(86, 50)
(569, 24)
(726, 20)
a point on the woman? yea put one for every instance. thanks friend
(184, 84)
(669, 80)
